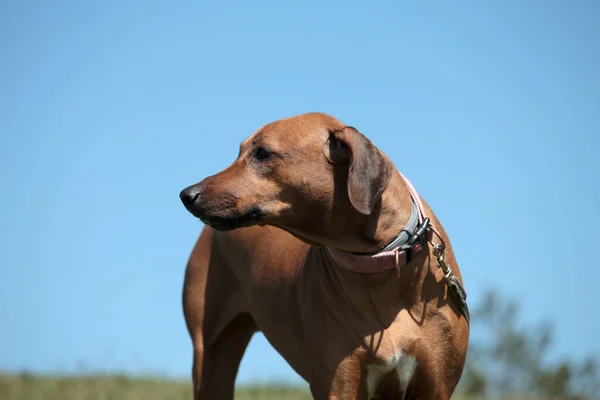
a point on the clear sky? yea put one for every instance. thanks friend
(108, 109)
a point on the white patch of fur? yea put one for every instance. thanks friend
(404, 365)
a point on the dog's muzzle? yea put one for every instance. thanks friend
(220, 212)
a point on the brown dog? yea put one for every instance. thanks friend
(293, 248)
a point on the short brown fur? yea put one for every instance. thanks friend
(298, 185)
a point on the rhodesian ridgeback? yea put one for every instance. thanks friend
(313, 237)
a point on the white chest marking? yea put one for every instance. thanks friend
(403, 364)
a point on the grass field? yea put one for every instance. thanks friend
(120, 387)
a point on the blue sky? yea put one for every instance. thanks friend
(109, 109)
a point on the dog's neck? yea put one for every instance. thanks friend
(370, 233)
(392, 251)
(383, 227)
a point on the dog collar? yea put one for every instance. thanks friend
(399, 251)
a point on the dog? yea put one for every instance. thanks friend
(313, 237)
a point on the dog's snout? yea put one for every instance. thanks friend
(189, 195)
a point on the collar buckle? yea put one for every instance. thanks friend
(411, 244)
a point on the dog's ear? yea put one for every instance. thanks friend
(368, 170)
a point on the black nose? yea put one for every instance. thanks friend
(189, 195)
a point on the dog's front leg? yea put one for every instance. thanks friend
(338, 382)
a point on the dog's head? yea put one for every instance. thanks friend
(309, 174)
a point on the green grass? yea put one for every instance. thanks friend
(121, 387)
(26, 386)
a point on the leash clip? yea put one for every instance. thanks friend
(456, 289)
(438, 252)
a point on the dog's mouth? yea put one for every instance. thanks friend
(221, 211)
(226, 220)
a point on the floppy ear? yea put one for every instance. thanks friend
(368, 170)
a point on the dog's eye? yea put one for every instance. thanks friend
(262, 154)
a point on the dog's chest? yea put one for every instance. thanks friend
(394, 373)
